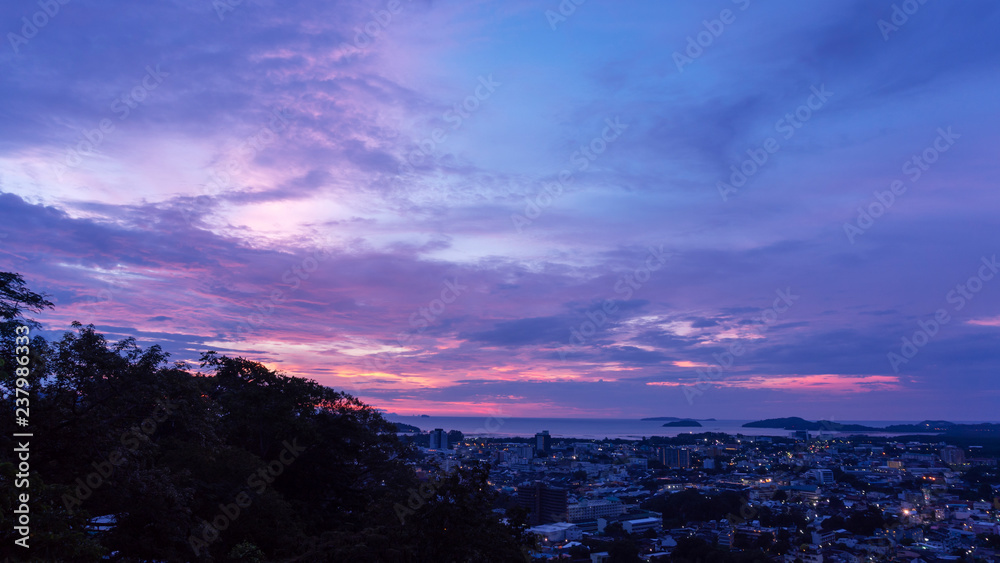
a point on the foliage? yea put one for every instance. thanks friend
(234, 463)
(865, 522)
(697, 550)
(692, 506)
(623, 550)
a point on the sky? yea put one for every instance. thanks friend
(729, 209)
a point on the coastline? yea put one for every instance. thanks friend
(630, 429)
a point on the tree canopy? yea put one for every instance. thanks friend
(137, 459)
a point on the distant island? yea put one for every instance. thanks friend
(942, 426)
(796, 423)
(675, 419)
(683, 423)
(927, 426)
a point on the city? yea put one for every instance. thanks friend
(810, 497)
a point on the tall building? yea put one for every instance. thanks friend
(823, 476)
(543, 443)
(439, 439)
(523, 451)
(678, 458)
(544, 504)
(952, 455)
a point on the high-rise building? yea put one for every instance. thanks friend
(439, 439)
(543, 443)
(523, 451)
(544, 504)
(952, 455)
(823, 476)
(678, 458)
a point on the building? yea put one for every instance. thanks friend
(557, 532)
(592, 510)
(641, 525)
(823, 538)
(439, 439)
(677, 458)
(823, 476)
(543, 443)
(952, 455)
(544, 504)
(806, 556)
(523, 451)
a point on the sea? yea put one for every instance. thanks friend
(599, 428)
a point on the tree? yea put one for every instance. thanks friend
(833, 523)
(94, 403)
(16, 299)
(690, 505)
(691, 549)
(764, 541)
(615, 530)
(579, 552)
(237, 464)
(783, 543)
(865, 523)
(741, 541)
(623, 550)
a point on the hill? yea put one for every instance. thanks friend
(401, 427)
(683, 423)
(796, 423)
